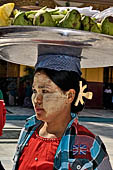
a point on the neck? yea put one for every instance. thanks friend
(55, 129)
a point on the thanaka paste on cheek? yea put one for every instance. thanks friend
(53, 102)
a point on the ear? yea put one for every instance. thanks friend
(70, 95)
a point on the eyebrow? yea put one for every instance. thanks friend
(42, 86)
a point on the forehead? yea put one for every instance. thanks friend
(41, 79)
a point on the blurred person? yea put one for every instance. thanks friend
(53, 139)
(28, 94)
(107, 98)
(21, 94)
(12, 93)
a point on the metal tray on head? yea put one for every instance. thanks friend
(18, 44)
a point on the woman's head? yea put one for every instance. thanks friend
(65, 86)
(50, 102)
(61, 65)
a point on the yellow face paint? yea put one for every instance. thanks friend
(48, 99)
(54, 102)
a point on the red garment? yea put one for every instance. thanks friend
(2, 115)
(39, 153)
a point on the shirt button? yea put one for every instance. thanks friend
(78, 167)
(36, 159)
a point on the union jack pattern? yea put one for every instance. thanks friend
(79, 149)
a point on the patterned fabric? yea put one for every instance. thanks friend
(59, 62)
(93, 157)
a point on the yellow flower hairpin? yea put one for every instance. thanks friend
(87, 95)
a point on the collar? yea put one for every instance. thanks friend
(63, 148)
(32, 121)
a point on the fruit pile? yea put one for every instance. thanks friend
(5, 13)
(67, 18)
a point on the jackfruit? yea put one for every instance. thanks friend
(99, 25)
(71, 20)
(85, 23)
(43, 18)
(95, 28)
(5, 12)
(31, 14)
(64, 11)
(21, 19)
(57, 18)
(88, 24)
(107, 25)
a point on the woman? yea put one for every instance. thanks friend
(53, 138)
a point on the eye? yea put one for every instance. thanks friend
(34, 91)
(45, 91)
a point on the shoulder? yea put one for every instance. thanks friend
(97, 147)
(82, 130)
(91, 146)
(29, 126)
(95, 142)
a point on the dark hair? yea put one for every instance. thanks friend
(66, 80)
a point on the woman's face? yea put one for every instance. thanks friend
(48, 99)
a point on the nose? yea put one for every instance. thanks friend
(38, 98)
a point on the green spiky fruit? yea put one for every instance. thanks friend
(43, 18)
(85, 23)
(95, 28)
(71, 20)
(99, 25)
(65, 11)
(57, 18)
(30, 13)
(88, 24)
(21, 19)
(107, 25)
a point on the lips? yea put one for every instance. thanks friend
(39, 109)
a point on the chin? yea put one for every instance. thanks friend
(40, 117)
